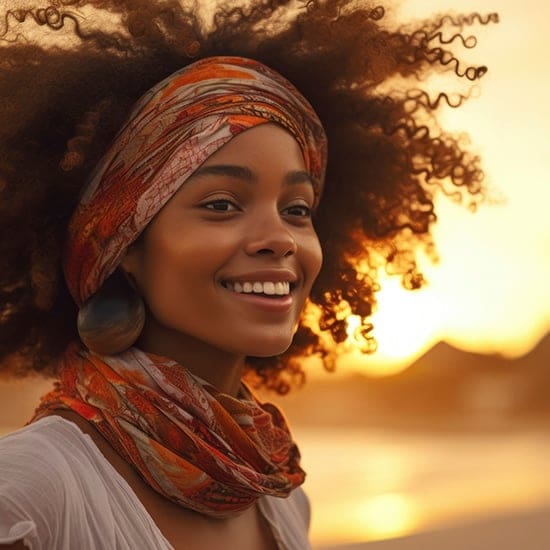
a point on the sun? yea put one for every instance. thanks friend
(406, 323)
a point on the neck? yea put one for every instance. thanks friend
(221, 369)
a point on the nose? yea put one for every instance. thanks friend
(270, 235)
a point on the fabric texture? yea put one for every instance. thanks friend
(58, 492)
(171, 131)
(206, 450)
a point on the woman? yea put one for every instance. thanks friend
(196, 222)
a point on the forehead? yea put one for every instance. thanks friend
(264, 150)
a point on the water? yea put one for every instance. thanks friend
(375, 484)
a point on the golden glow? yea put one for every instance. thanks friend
(369, 485)
(405, 324)
(386, 516)
(374, 517)
(490, 291)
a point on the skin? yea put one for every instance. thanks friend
(245, 215)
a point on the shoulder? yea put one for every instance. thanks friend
(48, 478)
(34, 464)
(289, 518)
(37, 456)
(298, 503)
(45, 455)
(44, 469)
(56, 484)
(48, 431)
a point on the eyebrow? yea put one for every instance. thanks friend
(245, 174)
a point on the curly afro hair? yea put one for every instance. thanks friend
(72, 69)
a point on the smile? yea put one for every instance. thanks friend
(268, 288)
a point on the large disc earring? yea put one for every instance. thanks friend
(113, 318)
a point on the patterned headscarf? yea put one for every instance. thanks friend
(184, 119)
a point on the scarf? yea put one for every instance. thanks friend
(185, 119)
(201, 448)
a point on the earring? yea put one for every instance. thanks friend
(113, 318)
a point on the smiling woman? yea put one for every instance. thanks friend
(180, 206)
(238, 240)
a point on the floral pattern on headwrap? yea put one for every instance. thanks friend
(170, 132)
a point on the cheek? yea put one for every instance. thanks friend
(159, 275)
(177, 269)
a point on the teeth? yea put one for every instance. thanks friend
(280, 288)
(269, 288)
(258, 288)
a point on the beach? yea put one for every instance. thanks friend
(523, 530)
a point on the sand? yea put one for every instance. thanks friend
(529, 530)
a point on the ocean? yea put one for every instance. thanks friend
(374, 484)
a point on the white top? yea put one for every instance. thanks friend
(58, 492)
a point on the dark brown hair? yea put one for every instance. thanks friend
(70, 73)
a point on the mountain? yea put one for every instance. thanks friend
(445, 388)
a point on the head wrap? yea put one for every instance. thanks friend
(184, 119)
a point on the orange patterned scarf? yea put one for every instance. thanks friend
(203, 449)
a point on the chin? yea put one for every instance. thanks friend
(265, 348)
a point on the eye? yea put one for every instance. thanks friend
(221, 205)
(300, 210)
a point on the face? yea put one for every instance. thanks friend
(230, 260)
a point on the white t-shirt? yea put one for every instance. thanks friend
(58, 492)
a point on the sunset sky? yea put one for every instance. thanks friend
(490, 292)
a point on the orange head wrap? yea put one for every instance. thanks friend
(185, 119)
